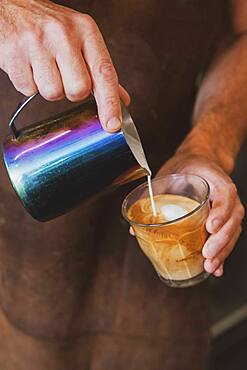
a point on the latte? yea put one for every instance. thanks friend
(173, 238)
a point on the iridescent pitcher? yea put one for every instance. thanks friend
(57, 163)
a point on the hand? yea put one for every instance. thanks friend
(226, 214)
(57, 51)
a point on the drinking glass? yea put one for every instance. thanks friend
(174, 247)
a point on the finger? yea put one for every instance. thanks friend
(224, 253)
(104, 78)
(131, 231)
(211, 265)
(222, 206)
(76, 79)
(47, 77)
(216, 242)
(21, 75)
(219, 272)
(124, 95)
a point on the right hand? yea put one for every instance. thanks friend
(58, 51)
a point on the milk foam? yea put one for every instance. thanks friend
(172, 211)
(173, 248)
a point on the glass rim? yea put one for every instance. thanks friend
(204, 181)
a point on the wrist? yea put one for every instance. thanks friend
(200, 143)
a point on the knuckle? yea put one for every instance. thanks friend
(33, 40)
(54, 29)
(232, 189)
(112, 103)
(21, 81)
(23, 87)
(27, 91)
(59, 26)
(18, 77)
(88, 21)
(103, 69)
(51, 93)
(78, 91)
(241, 211)
(226, 238)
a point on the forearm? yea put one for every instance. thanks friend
(220, 114)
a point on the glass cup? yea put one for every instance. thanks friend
(174, 246)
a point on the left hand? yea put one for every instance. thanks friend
(227, 211)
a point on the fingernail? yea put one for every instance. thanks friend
(216, 224)
(113, 124)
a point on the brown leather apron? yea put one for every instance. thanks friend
(77, 293)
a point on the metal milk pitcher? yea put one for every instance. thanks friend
(55, 164)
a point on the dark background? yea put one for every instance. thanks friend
(229, 294)
(169, 92)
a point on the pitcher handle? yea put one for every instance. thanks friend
(18, 110)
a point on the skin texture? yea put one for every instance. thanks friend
(57, 51)
(71, 299)
(34, 60)
(227, 212)
(212, 146)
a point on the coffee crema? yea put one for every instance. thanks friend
(173, 248)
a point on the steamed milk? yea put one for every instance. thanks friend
(175, 247)
(151, 195)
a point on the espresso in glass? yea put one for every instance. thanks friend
(173, 238)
